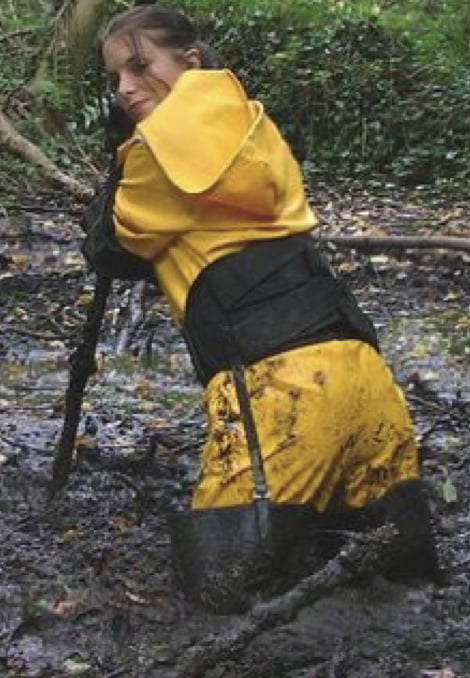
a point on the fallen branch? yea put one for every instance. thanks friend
(355, 560)
(401, 242)
(19, 145)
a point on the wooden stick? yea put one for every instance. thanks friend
(402, 242)
(82, 367)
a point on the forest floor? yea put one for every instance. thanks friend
(86, 584)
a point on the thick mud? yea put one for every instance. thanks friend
(86, 583)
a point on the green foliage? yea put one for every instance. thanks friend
(360, 88)
(440, 29)
(356, 95)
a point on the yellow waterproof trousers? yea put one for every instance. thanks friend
(333, 427)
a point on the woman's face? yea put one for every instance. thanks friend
(142, 72)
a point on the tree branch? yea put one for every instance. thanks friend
(19, 145)
(370, 243)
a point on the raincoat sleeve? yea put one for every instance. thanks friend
(149, 212)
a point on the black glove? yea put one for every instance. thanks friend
(101, 248)
(118, 127)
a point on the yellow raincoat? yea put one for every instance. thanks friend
(206, 173)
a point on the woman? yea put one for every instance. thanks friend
(211, 195)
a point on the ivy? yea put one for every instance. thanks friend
(354, 98)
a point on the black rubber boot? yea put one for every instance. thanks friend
(413, 552)
(225, 560)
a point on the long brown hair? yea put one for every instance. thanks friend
(166, 26)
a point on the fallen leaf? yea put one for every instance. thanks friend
(84, 299)
(348, 267)
(146, 406)
(451, 296)
(85, 441)
(429, 375)
(380, 259)
(420, 350)
(73, 259)
(64, 607)
(135, 598)
(20, 260)
(449, 491)
(20, 313)
(76, 666)
(439, 673)
(124, 523)
(72, 535)
(143, 388)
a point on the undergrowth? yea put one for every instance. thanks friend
(360, 89)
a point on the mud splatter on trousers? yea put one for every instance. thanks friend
(332, 425)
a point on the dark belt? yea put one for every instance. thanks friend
(270, 297)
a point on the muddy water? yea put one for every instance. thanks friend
(86, 585)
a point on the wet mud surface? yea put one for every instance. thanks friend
(86, 585)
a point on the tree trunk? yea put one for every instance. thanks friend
(76, 24)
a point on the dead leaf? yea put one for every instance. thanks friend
(20, 313)
(429, 375)
(143, 388)
(73, 259)
(449, 491)
(85, 442)
(380, 259)
(84, 299)
(420, 350)
(135, 598)
(451, 296)
(439, 673)
(147, 406)
(76, 666)
(20, 260)
(65, 607)
(346, 267)
(72, 535)
(124, 523)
